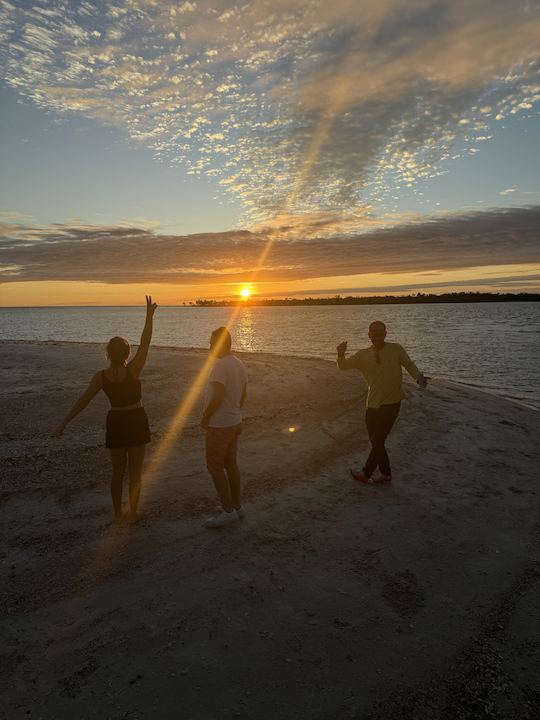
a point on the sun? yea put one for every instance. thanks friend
(245, 292)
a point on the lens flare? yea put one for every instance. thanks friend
(186, 405)
(112, 539)
(290, 429)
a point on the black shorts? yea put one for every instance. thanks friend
(127, 428)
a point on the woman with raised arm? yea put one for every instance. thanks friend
(127, 423)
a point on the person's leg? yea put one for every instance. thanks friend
(221, 483)
(372, 424)
(233, 473)
(216, 449)
(387, 419)
(384, 461)
(118, 458)
(135, 465)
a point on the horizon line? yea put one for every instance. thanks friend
(252, 302)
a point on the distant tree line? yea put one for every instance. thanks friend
(453, 297)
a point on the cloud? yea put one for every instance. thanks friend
(508, 191)
(295, 108)
(132, 255)
(515, 283)
(13, 216)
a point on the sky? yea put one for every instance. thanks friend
(300, 147)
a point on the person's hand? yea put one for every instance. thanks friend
(59, 431)
(342, 348)
(423, 380)
(150, 306)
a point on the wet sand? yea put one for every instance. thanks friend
(330, 599)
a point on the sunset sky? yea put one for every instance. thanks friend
(188, 149)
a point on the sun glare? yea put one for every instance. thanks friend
(245, 293)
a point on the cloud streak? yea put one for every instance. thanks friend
(294, 107)
(521, 283)
(133, 255)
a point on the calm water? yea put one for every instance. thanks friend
(491, 345)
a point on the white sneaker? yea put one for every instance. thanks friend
(239, 511)
(221, 519)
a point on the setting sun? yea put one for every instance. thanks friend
(245, 292)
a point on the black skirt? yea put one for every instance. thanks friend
(127, 428)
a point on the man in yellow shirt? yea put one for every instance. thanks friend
(381, 366)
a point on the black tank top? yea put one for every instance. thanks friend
(122, 394)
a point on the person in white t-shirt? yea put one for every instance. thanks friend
(222, 420)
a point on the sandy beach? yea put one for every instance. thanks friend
(419, 600)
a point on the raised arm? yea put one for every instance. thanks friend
(137, 364)
(411, 368)
(344, 363)
(91, 391)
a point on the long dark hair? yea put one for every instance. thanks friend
(118, 350)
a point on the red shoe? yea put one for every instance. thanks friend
(383, 479)
(359, 476)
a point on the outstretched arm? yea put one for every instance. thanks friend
(138, 362)
(344, 363)
(411, 368)
(91, 391)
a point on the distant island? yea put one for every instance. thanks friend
(454, 297)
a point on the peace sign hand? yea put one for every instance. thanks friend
(150, 306)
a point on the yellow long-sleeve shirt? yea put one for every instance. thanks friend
(384, 379)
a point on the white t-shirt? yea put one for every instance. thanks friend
(231, 372)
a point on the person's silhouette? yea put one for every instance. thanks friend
(127, 424)
(381, 366)
(222, 421)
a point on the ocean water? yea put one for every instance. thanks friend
(494, 346)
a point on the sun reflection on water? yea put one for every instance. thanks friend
(245, 333)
